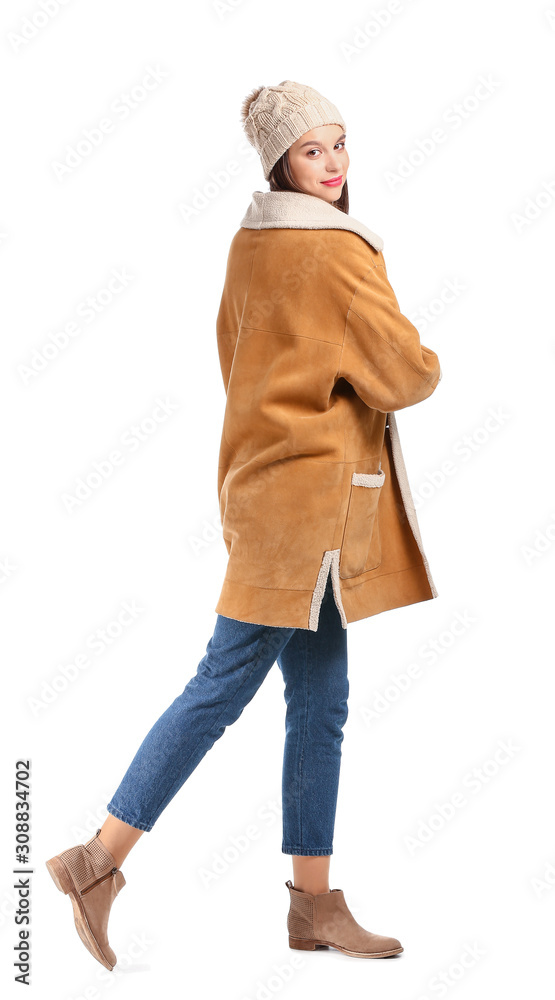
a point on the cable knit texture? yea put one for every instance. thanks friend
(275, 117)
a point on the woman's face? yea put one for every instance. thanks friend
(320, 156)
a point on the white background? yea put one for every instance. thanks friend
(475, 210)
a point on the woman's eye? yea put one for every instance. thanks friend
(317, 150)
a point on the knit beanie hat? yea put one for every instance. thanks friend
(275, 117)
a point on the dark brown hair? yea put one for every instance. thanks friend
(281, 179)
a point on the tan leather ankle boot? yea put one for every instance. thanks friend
(90, 877)
(324, 920)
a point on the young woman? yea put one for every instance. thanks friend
(317, 514)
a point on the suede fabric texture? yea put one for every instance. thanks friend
(88, 874)
(325, 920)
(315, 357)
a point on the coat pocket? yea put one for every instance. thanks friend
(361, 546)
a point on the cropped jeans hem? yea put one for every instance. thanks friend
(137, 823)
(307, 851)
(238, 657)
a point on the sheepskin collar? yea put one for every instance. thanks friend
(296, 210)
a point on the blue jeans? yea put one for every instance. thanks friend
(238, 657)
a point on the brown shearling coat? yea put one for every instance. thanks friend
(315, 357)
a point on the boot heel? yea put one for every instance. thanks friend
(59, 875)
(302, 944)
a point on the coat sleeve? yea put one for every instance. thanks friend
(382, 357)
